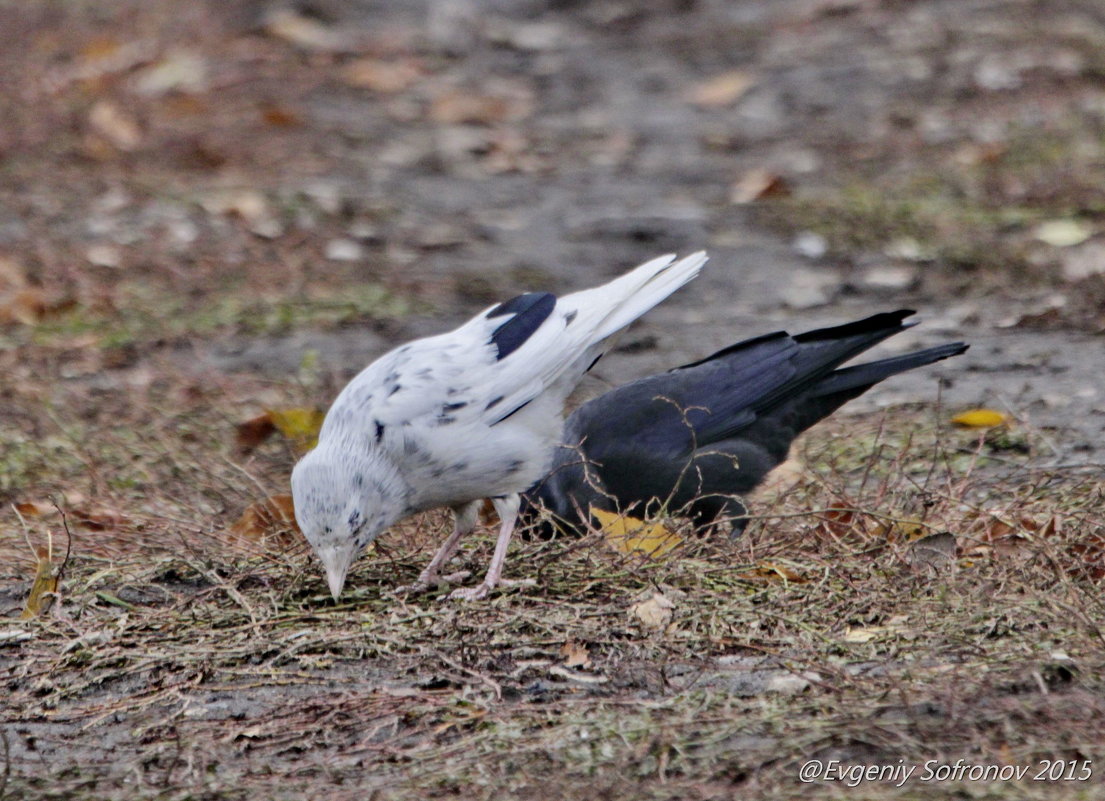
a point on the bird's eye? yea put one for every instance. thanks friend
(327, 530)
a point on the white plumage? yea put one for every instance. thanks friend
(452, 419)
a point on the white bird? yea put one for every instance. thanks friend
(452, 419)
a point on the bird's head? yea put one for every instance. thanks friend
(342, 504)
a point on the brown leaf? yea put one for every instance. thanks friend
(33, 508)
(280, 116)
(757, 184)
(488, 515)
(575, 655)
(253, 432)
(772, 571)
(721, 90)
(655, 612)
(115, 125)
(838, 522)
(23, 306)
(98, 518)
(40, 598)
(271, 519)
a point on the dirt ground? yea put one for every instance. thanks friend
(212, 209)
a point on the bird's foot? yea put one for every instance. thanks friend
(425, 583)
(481, 591)
(477, 593)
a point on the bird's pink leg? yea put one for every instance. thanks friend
(508, 512)
(465, 521)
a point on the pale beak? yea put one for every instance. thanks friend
(336, 559)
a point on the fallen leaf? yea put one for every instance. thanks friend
(40, 598)
(1063, 233)
(101, 47)
(254, 431)
(12, 275)
(280, 116)
(575, 655)
(779, 481)
(488, 515)
(757, 184)
(300, 426)
(270, 519)
(631, 535)
(901, 530)
(772, 571)
(935, 551)
(180, 70)
(721, 90)
(655, 612)
(304, 32)
(98, 518)
(33, 508)
(460, 107)
(842, 522)
(248, 204)
(895, 625)
(980, 418)
(115, 125)
(385, 77)
(23, 306)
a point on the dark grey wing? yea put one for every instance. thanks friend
(793, 416)
(529, 310)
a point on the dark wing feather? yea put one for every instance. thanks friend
(719, 425)
(529, 310)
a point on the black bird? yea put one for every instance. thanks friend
(691, 439)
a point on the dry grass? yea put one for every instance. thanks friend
(176, 665)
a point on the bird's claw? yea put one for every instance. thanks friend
(426, 583)
(481, 591)
(477, 593)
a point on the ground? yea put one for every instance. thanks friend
(208, 210)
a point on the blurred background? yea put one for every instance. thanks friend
(246, 184)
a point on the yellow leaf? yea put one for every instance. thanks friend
(46, 582)
(631, 535)
(299, 426)
(980, 418)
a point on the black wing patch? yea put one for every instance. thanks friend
(530, 311)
